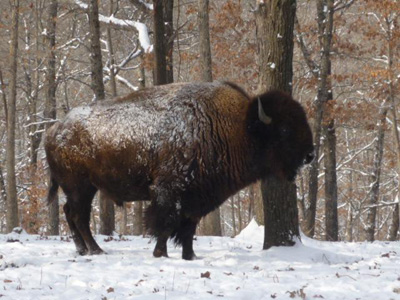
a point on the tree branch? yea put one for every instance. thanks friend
(304, 49)
(338, 7)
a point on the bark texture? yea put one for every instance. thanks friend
(11, 188)
(160, 62)
(204, 42)
(331, 213)
(280, 211)
(138, 218)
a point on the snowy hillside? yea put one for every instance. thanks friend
(33, 267)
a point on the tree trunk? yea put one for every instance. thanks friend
(204, 42)
(394, 226)
(169, 38)
(32, 92)
(110, 47)
(50, 112)
(212, 222)
(373, 196)
(138, 218)
(280, 211)
(349, 220)
(107, 215)
(275, 24)
(160, 62)
(12, 199)
(331, 214)
(3, 192)
(349, 225)
(124, 220)
(259, 209)
(3, 199)
(95, 51)
(251, 203)
(233, 216)
(239, 212)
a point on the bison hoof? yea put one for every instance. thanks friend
(82, 252)
(96, 252)
(159, 253)
(190, 256)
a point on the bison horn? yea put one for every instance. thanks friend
(261, 114)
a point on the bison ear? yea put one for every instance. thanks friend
(262, 115)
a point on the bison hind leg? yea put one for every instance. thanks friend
(77, 211)
(161, 222)
(76, 235)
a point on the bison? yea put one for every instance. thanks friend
(186, 147)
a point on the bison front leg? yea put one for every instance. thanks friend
(185, 236)
(160, 250)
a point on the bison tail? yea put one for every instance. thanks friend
(53, 189)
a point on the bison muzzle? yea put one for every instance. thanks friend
(184, 147)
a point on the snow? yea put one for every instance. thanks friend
(142, 29)
(144, 38)
(35, 267)
(148, 5)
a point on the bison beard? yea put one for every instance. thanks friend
(184, 147)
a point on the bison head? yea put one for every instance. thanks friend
(282, 126)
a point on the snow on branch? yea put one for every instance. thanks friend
(140, 27)
(144, 38)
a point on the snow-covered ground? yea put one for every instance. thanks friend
(34, 267)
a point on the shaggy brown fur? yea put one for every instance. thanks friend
(184, 147)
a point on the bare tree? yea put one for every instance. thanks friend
(325, 10)
(12, 199)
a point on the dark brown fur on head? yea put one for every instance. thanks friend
(288, 137)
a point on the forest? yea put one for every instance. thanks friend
(346, 72)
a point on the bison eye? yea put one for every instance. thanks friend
(284, 131)
(309, 157)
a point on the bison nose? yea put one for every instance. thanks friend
(309, 157)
